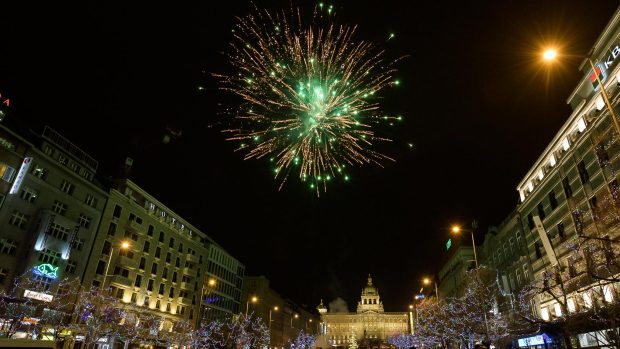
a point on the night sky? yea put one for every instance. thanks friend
(478, 105)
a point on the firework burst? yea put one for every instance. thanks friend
(310, 95)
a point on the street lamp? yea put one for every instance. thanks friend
(275, 308)
(270, 309)
(294, 316)
(427, 282)
(123, 246)
(456, 229)
(253, 299)
(203, 302)
(551, 54)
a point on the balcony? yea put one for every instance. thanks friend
(134, 226)
(127, 262)
(120, 280)
(185, 300)
(188, 271)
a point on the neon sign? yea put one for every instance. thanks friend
(448, 244)
(210, 300)
(46, 270)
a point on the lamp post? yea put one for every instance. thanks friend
(123, 246)
(551, 54)
(294, 316)
(253, 299)
(457, 229)
(275, 308)
(427, 281)
(210, 286)
(411, 318)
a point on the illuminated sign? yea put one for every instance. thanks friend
(46, 270)
(20, 175)
(448, 244)
(80, 338)
(210, 300)
(614, 53)
(534, 340)
(38, 296)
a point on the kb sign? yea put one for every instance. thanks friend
(609, 61)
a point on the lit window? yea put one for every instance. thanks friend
(565, 144)
(558, 309)
(552, 160)
(608, 294)
(571, 305)
(6, 172)
(544, 314)
(587, 300)
(581, 125)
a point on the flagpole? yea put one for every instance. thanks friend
(604, 93)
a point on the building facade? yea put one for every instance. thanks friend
(571, 192)
(165, 266)
(452, 273)
(370, 325)
(284, 318)
(51, 208)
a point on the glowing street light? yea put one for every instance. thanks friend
(427, 281)
(123, 246)
(550, 55)
(254, 300)
(457, 229)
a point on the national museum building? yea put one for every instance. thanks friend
(370, 325)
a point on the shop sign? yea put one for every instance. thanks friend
(38, 296)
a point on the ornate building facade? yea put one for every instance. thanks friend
(370, 325)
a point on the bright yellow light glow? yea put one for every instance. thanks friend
(310, 320)
(296, 316)
(410, 306)
(254, 299)
(276, 308)
(124, 244)
(211, 282)
(426, 281)
(456, 229)
(550, 54)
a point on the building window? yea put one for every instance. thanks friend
(150, 230)
(134, 297)
(161, 236)
(112, 229)
(178, 262)
(168, 257)
(107, 248)
(62, 159)
(8, 247)
(171, 243)
(164, 274)
(538, 248)
(6, 172)
(67, 187)
(121, 271)
(149, 286)
(157, 252)
(561, 233)
(84, 221)
(59, 232)
(161, 289)
(154, 268)
(142, 263)
(171, 292)
(42, 282)
(49, 256)
(583, 172)
(552, 200)
(117, 211)
(59, 207)
(126, 253)
(90, 200)
(541, 211)
(174, 276)
(39, 172)
(29, 194)
(100, 268)
(530, 221)
(568, 191)
(138, 281)
(3, 275)
(147, 247)
(18, 219)
(180, 248)
(168, 307)
(158, 304)
(526, 273)
(71, 266)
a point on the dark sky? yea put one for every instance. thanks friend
(477, 104)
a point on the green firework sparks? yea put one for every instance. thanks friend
(310, 96)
